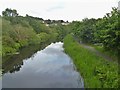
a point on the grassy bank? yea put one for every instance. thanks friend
(96, 71)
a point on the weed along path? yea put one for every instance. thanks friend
(48, 68)
(98, 53)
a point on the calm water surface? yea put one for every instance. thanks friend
(48, 68)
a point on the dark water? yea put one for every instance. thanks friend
(48, 68)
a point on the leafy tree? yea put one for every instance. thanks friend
(10, 13)
(109, 31)
(84, 30)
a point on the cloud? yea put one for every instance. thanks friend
(55, 8)
(35, 12)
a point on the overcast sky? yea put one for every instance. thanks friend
(60, 9)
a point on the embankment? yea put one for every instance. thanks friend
(96, 71)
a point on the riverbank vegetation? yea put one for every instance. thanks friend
(19, 31)
(96, 71)
(103, 32)
(104, 35)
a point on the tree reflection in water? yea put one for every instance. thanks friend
(13, 63)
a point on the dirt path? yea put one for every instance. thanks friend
(98, 53)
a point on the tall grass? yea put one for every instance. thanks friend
(96, 72)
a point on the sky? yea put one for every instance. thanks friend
(60, 9)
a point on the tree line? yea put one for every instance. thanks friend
(19, 31)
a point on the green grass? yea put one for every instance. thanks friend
(96, 72)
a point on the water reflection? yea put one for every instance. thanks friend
(13, 63)
(48, 68)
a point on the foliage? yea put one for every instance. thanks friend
(15, 36)
(19, 31)
(96, 71)
(84, 30)
(109, 31)
(62, 30)
(103, 31)
(10, 13)
(37, 25)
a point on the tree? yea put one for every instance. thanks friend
(109, 31)
(10, 13)
(84, 30)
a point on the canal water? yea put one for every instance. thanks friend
(47, 68)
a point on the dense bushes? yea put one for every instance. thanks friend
(19, 31)
(15, 36)
(103, 31)
(96, 72)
